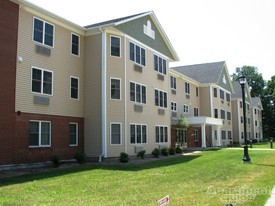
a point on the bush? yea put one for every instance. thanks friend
(124, 157)
(141, 154)
(178, 150)
(164, 151)
(80, 157)
(171, 151)
(254, 141)
(156, 152)
(55, 160)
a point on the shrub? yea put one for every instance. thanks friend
(80, 157)
(55, 160)
(254, 141)
(156, 152)
(124, 157)
(178, 150)
(141, 154)
(164, 151)
(171, 151)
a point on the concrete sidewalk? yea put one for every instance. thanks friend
(271, 200)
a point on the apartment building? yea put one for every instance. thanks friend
(253, 115)
(210, 119)
(104, 89)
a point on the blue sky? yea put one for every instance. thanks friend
(240, 32)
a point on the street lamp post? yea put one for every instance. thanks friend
(242, 81)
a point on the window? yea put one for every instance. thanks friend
(39, 134)
(187, 88)
(160, 98)
(115, 133)
(159, 64)
(74, 87)
(216, 134)
(216, 113)
(137, 54)
(41, 81)
(221, 94)
(196, 111)
(256, 123)
(186, 109)
(174, 106)
(137, 93)
(73, 134)
(161, 134)
(255, 111)
(115, 88)
(228, 115)
(115, 46)
(197, 92)
(75, 44)
(138, 133)
(241, 104)
(173, 82)
(215, 92)
(196, 135)
(222, 114)
(241, 119)
(229, 134)
(227, 97)
(223, 135)
(248, 107)
(43, 32)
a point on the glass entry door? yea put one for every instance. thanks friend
(181, 137)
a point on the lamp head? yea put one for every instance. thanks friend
(242, 79)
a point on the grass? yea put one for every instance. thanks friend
(208, 178)
(265, 145)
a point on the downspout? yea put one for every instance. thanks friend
(103, 94)
(125, 96)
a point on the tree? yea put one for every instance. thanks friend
(268, 101)
(254, 79)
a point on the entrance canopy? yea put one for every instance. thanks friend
(204, 120)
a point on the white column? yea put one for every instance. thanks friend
(219, 136)
(203, 137)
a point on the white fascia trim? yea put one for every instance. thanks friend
(103, 93)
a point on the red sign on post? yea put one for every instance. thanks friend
(163, 201)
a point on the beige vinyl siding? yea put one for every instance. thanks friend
(115, 108)
(205, 101)
(93, 108)
(60, 62)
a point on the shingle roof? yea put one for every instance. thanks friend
(113, 21)
(238, 90)
(256, 101)
(203, 73)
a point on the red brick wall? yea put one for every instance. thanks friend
(8, 55)
(191, 139)
(59, 138)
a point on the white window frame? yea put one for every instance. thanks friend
(120, 133)
(111, 46)
(173, 106)
(196, 135)
(186, 109)
(39, 133)
(141, 94)
(43, 39)
(78, 51)
(141, 126)
(76, 144)
(163, 103)
(73, 77)
(159, 134)
(197, 110)
(42, 77)
(163, 62)
(173, 82)
(187, 88)
(113, 78)
(135, 59)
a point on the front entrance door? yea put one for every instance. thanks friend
(181, 137)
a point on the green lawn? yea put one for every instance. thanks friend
(263, 145)
(209, 178)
